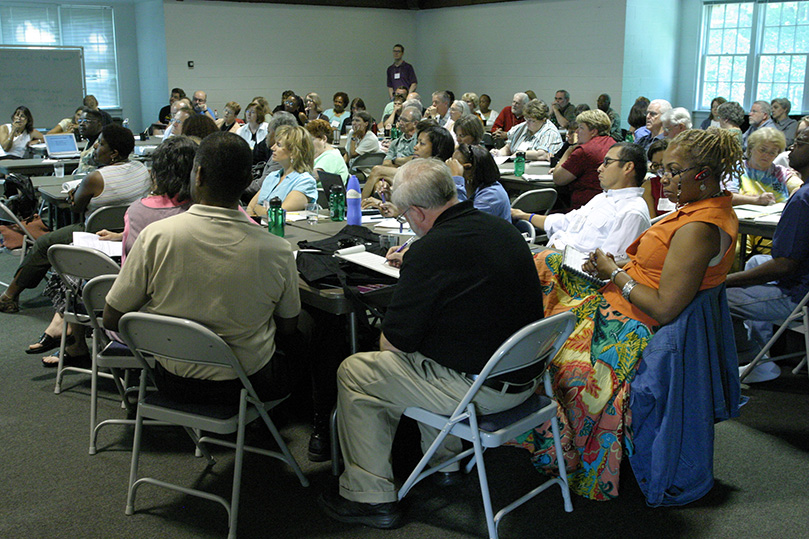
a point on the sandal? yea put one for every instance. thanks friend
(83, 360)
(8, 305)
(47, 343)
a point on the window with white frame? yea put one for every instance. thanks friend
(90, 27)
(755, 51)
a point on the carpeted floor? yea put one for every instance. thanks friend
(51, 488)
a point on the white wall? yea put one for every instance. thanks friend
(273, 47)
(151, 47)
(539, 45)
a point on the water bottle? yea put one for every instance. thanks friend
(353, 201)
(337, 203)
(126, 123)
(275, 218)
(519, 164)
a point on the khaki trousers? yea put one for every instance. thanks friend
(374, 388)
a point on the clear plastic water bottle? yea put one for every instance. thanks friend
(337, 203)
(275, 218)
(519, 164)
(353, 201)
(126, 123)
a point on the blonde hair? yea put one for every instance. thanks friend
(471, 96)
(595, 119)
(717, 149)
(298, 142)
(767, 135)
(537, 110)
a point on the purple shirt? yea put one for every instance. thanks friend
(403, 75)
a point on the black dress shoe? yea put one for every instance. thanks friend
(376, 515)
(447, 479)
(319, 447)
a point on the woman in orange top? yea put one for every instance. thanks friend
(689, 250)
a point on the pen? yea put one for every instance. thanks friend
(382, 195)
(405, 244)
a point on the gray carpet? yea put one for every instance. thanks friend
(50, 487)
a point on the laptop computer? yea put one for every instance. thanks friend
(327, 180)
(61, 146)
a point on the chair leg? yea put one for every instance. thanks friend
(288, 458)
(560, 462)
(334, 443)
(93, 392)
(482, 477)
(237, 467)
(133, 470)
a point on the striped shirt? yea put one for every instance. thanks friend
(123, 184)
(546, 138)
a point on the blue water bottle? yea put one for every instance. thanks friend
(353, 202)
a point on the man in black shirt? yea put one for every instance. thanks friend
(466, 286)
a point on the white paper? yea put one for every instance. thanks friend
(778, 207)
(87, 239)
(538, 177)
(500, 159)
(292, 216)
(391, 223)
(373, 219)
(358, 255)
(771, 218)
(70, 185)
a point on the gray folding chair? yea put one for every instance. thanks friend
(150, 335)
(798, 321)
(106, 217)
(534, 346)
(74, 264)
(528, 230)
(539, 201)
(365, 162)
(28, 239)
(108, 354)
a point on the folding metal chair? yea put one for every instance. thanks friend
(364, 163)
(798, 320)
(73, 264)
(28, 239)
(110, 355)
(106, 217)
(188, 342)
(539, 201)
(533, 346)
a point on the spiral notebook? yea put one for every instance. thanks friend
(573, 260)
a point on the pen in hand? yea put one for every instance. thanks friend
(405, 244)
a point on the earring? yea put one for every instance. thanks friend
(702, 187)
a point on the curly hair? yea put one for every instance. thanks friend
(319, 129)
(717, 149)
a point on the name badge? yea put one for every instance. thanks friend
(335, 123)
(397, 75)
(664, 204)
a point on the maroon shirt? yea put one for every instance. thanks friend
(583, 163)
(506, 120)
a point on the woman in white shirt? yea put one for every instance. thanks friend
(17, 136)
(486, 114)
(361, 139)
(255, 130)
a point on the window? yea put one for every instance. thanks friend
(755, 51)
(90, 27)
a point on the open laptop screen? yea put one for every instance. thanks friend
(62, 145)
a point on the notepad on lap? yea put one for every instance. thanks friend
(358, 255)
(573, 260)
(87, 239)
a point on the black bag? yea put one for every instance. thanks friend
(21, 195)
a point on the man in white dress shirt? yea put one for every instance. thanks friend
(612, 220)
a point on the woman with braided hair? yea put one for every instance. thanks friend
(689, 250)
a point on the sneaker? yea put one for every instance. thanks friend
(8, 305)
(376, 515)
(764, 372)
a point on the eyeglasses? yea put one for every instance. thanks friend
(654, 167)
(609, 160)
(289, 103)
(672, 173)
(402, 220)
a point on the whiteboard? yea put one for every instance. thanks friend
(49, 81)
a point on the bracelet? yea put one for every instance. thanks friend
(615, 272)
(531, 217)
(627, 289)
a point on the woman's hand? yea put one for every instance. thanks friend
(455, 166)
(370, 202)
(765, 199)
(106, 235)
(383, 189)
(600, 264)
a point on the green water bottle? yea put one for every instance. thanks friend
(337, 203)
(275, 218)
(519, 164)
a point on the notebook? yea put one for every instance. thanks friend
(573, 260)
(61, 146)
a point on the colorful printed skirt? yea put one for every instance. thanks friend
(590, 377)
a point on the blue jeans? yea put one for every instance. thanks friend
(754, 310)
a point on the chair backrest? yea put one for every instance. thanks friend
(7, 215)
(80, 262)
(327, 180)
(538, 341)
(538, 201)
(526, 228)
(368, 160)
(94, 297)
(177, 339)
(106, 217)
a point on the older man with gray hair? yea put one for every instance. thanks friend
(675, 121)
(510, 116)
(654, 122)
(433, 334)
(439, 110)
(760, 112)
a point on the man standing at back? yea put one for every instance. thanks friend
(214, 266)
(466, 286)
(400, 73)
